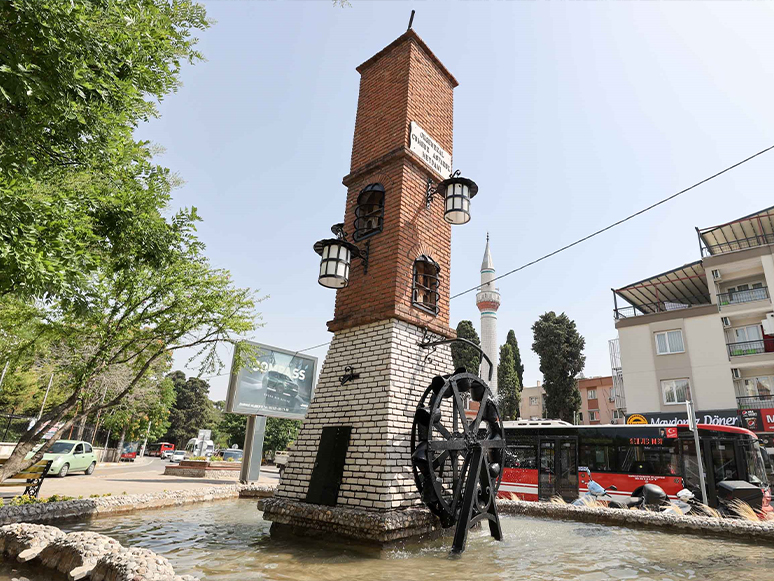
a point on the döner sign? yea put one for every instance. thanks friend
(438, 159)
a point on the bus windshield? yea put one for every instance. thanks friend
(756, 469)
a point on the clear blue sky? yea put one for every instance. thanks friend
(569, 115)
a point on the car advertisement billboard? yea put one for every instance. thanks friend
(278, 383)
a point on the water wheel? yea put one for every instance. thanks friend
(457, 461)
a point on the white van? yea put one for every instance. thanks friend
(196, 447)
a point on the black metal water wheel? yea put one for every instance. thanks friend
(457, 461)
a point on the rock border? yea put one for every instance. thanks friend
(107, 505)
(737, 529)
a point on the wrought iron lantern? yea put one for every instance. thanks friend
(336, 255)
(457, 192)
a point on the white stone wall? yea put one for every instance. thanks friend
(394, 372)
(490, 347)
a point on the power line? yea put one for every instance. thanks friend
(613, 225)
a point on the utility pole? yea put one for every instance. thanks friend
(694, 428)
(145, 443)
(2, 377)
(45, 397)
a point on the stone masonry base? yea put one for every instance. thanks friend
(351, 523)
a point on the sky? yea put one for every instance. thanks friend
(569, 116)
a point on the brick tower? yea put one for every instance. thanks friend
(350, 470)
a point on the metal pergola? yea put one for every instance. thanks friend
(748, 232)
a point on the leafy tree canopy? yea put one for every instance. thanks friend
(508, 386)
(560, 349)
(465, 355)
(280, 433)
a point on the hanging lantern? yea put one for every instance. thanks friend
(457, 192)
(336, 256)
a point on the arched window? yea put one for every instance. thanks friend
(426, 282)
(369, 214)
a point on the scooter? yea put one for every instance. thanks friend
(654, 499)
(596, 494)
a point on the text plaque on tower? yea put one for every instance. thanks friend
(429, 150)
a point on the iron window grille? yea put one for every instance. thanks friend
(426, 283)
(369, 213)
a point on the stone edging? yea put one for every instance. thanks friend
(349, 522)
(84, 554)
(90, 507)
(741, 530)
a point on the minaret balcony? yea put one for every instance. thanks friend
(488, 300)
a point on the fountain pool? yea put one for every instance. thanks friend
(229, 541)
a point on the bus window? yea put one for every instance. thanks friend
(724, 460)
(690, 467)
(656, 460)
(521, 456)
(756, 469)
(597, 457)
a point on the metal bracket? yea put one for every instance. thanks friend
(364, 252)
(349, 375)
(425, 343)
(432, 188)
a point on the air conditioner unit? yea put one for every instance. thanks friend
(768, 324)
(726, 321)
(735, 373)
(611, 399)
(613, 421)
(716, 274)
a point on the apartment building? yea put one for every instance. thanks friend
(704, 330)
(598, 402)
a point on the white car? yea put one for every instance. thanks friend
(167, 454)
(177, 456)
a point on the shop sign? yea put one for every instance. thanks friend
(435, 156)
(758, 420)
(712, 417)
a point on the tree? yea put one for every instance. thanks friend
(508, 386)
(191, 411)
(280, 433)
(560, 349)
(511, 340)
(76, 189)
(464, 355)
(76, 77)
(233, 427)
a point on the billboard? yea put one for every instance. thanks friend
(279, 384)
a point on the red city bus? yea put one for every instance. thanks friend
(549, 458)
(159, 448)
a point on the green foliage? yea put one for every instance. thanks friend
(76, 77)
(465, 355)
(511, 340)
(560, 349)
(280, 433)
(508, 386)
(27, 499)
(233, 427)
(191, 411)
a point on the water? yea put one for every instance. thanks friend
(228, 541)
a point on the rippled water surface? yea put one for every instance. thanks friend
(229, 541)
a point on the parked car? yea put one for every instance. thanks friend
(177, 456)
(232, 455)
(69, 456)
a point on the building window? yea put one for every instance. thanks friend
(754, 387)
(593, 416)
(426, 283)
(675, 391)
(617, 415)
(534, 401)
(592, 393)
(369, 213)
(669, 342)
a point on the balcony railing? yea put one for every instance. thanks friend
(746, 348)
(740, 244)
(755, 402)
(743, 296)
(657, 307)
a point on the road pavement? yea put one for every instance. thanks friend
(145, 475)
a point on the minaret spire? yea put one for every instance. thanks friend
(488, 301)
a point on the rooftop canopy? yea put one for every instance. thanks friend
(753, 230)
(680, 288)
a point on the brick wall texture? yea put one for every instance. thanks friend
(402, 83)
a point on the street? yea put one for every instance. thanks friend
(145, 475)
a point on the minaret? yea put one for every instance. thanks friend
(488, 301)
